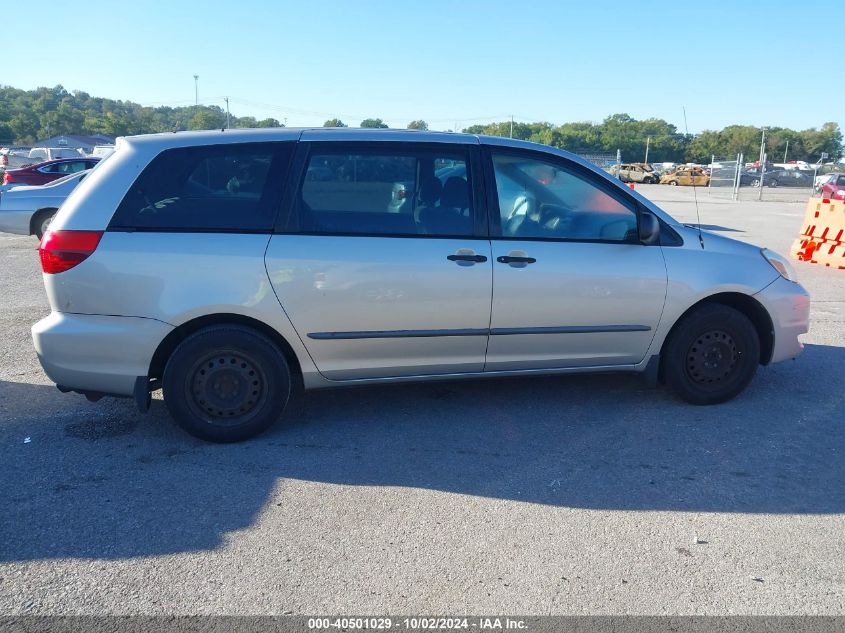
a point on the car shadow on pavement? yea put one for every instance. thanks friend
(103, 481)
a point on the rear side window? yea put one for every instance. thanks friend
(207, 188)
(406, 192)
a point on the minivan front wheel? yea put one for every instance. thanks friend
(711, 355)
(226, 383)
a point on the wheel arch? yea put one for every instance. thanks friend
(171, 341)
(747, 305)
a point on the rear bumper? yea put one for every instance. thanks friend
(15, 222)
(788, 305)
(93, 353)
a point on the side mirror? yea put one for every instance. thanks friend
(649, 228)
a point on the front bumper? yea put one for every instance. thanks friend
(94, 353)
(788, 305)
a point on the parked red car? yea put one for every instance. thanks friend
(52, 170)
(834, 187)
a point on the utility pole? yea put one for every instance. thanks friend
(647, 141)
(786, 150)
(226, 99)
(762, 163)
(196, 89)
(511, 126)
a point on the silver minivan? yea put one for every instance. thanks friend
(229, 267)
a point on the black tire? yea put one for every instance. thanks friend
(755, 182)
(673, 183)
(226, 383)
(711, 355)
(40, 221)
(773, 183)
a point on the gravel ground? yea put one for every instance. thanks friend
(564, 495)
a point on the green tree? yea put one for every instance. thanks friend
(417, 125)
(335, 123)
(828, 139)
(579, 137)
(244, 122)
(270, 123)
(373, 123)
(25, 125)
(206, 120)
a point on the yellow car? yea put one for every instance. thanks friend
(686, 176)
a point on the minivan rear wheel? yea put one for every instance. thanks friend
(226, 383)
(711, 355)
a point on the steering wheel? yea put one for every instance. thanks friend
(524, 206)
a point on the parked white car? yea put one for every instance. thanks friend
(17, 160)
(102, 151)
(27, 210)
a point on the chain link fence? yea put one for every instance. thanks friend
(725, 176)
(601, 160)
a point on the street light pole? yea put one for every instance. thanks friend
(196, 89)
(647, 141)
(762, 163)
(227, 111)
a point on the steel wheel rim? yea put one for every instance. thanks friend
(226, 388)
(712, 359)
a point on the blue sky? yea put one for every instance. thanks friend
(470, 61)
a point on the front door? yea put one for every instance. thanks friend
(383, 266)
(572, 285)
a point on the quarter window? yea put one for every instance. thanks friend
(539, 199)
(385, 193)
(217, 187)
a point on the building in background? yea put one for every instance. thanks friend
(77, 141)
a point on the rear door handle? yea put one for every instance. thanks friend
(511, 259)
(467, 258)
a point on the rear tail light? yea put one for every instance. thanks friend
(7, 178)
(62, 250)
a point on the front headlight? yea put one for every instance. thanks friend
(780, 264)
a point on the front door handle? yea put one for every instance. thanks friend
(467, 258)
(512, 259)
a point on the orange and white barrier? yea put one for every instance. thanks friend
(822, 239)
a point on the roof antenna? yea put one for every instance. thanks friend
(694, 194)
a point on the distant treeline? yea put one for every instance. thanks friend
(665, 143)
(29, 115)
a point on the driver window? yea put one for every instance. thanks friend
(539, 199)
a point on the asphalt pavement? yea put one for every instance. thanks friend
(562, 495)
